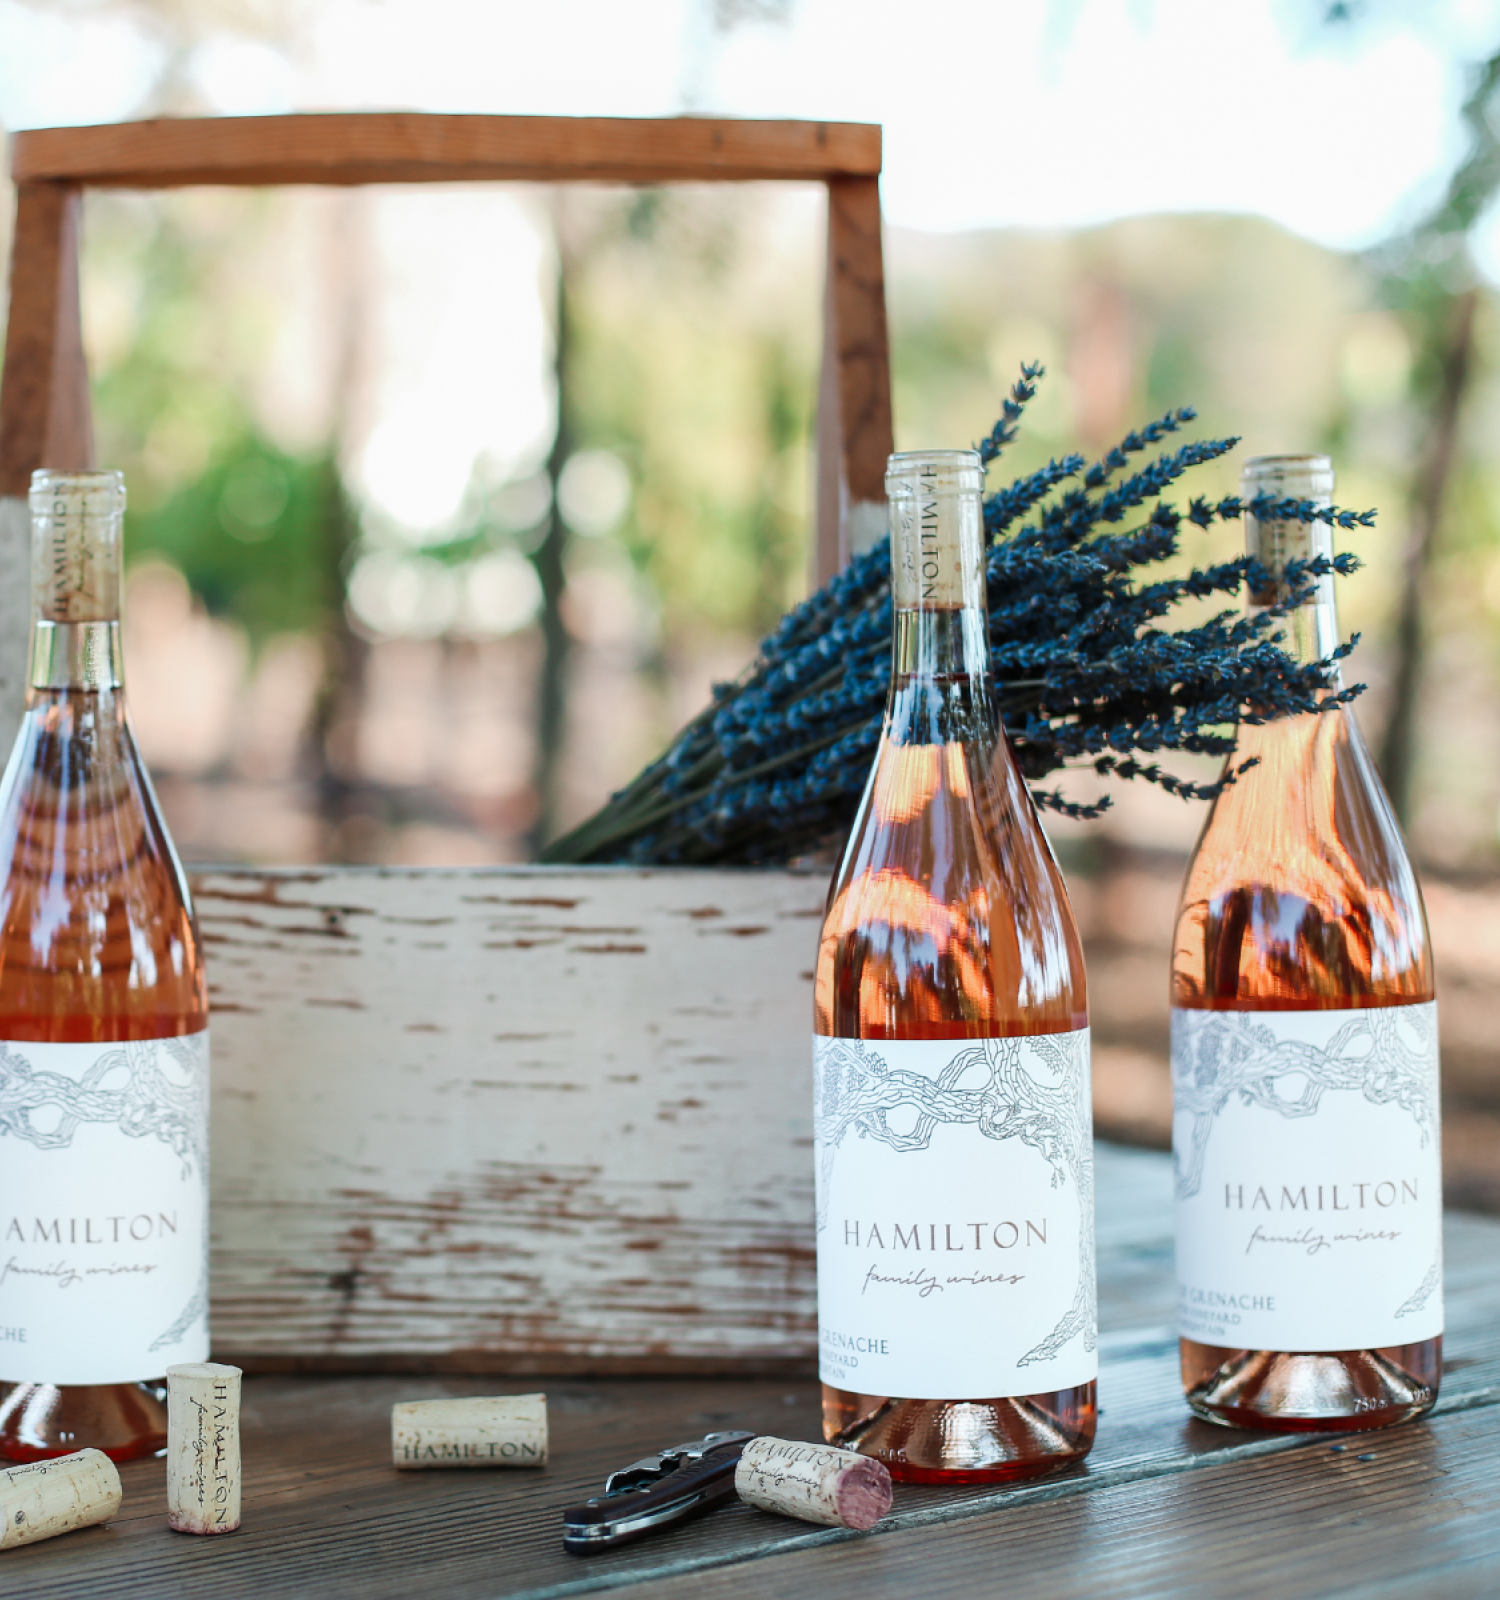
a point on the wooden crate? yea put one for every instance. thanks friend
(488, 1119)
(521, 1119)
(525, 1119)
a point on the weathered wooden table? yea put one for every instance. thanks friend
(1165, 1506)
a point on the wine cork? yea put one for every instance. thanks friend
(1274, 544)
(501, 1430)
(76, 518)
(937, 536)
(203, 1447)
(814, 1483)
(46, 1498)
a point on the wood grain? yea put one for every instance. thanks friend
(826, 555)
(44, 393)
(854, 398)
(1420, 1518)
(525, 1119)
(1165, 1506)
(512, 1119)
(415, 147)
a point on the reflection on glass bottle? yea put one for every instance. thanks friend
(955, 1178)
(1305, 1063)
(103, 1029)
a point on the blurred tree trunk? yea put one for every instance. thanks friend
(332, 759)
(1101, 361)
(550, 560)
(333, 733)
(776, 539)
(1429, 271)
(1455, 360)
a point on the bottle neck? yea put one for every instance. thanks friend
(75, 655)
(1311, 630)
(940, 660)
(940, 679)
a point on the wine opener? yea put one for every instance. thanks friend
(681, 1481)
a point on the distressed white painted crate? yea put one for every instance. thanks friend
(456, 1121)
(511, 1119)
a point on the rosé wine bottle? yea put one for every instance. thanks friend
(1305, 1063)
(103, 1029)
(955, 1204)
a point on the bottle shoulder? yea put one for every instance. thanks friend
(1301, 891)
(948, 916)
(97, 934)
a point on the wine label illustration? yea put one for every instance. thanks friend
(103, 1209)
(955, 1216)
(1309, 1177)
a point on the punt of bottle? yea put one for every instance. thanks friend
(955, 1225)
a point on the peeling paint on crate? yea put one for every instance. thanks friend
(485, 1151)
(474, 1265)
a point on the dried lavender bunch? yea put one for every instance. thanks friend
(1084, 674)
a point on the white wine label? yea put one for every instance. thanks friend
(1309, 1178)
(955, 1216)
(103, 1209)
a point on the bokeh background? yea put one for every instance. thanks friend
(351, 421)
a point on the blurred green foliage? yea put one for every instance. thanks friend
(176, 344)
(250, 534)
(708, 407)
(701, 377)
(695, 362)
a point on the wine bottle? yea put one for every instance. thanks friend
(103, 1029)
(1305, 1060)
(953, 1132)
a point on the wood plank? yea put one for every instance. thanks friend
(415, 147)
(480, 1173)
(511, 1118)
(854, 417)
(44, 391)
(827, 553)
(476, 1172)
(1420, 1519)
(325, 1513)
(1165, 1506)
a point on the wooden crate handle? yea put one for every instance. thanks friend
(44, 397)
(44, 404)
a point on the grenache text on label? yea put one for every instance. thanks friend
(1219, 1300)
(865, 1344)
